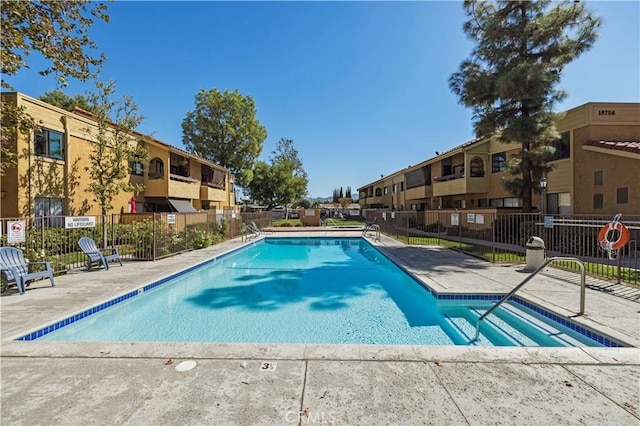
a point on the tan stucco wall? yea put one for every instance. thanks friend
(69, 179)
(618, 171)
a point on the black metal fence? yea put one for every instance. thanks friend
(494, 235)
(502, 237)
(141, 236)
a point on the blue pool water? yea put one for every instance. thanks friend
(312, 290)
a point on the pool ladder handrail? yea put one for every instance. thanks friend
(527, 279)
(372, 227)
(250, 230)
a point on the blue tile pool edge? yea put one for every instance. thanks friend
(33, 335)
(585, 331)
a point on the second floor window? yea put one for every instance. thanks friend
(136, 168)
(563, 147)
(49, 143)
(498, 162)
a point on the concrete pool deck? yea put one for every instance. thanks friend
(69, 383)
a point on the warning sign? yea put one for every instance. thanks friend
(71, 222)
(16, 232)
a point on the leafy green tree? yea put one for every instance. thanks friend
(56, 29)
(223, 128)
(511, 77)
(302, 202)
(116, 143)
(281, 182)
(15, 121)
(61, 100)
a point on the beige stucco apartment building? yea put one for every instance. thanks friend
(50, 177)
(597, 170)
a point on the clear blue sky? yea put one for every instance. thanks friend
(361, 87)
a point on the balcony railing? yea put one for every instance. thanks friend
(449, 177)
(181, 178)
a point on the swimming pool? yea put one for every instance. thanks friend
(310, 290)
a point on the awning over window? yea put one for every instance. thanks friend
(182, 206)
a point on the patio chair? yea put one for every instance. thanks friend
(98, 256)
(15, 268)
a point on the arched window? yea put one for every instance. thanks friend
(156, 169)
(477, 167)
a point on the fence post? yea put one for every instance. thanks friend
(155, 240)
(619, 261)
(459, 230)
(42, 253)
(493, 242)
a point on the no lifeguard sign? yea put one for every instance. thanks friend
(16, 232)
(71, 222)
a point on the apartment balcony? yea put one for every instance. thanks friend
(418, 193)
(212, 193)
(458, 184)
(183, 187)
(370, 201)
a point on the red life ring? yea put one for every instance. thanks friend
(623, 236)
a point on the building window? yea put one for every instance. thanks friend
(502, 202)
(598, 178)
(477, 167)
(622, 195)
(378, 192)
(562, 146)
(52, 209)
(49, 143)
(395, 188)
(386, 190)
(136, 168)
(418, 177)
(401, 186)
(498, 162)
(511, 202)
(156, 169)
(598, 201)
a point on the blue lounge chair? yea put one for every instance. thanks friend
(15, 268)
(98, 256)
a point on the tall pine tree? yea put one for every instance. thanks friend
(510, 81)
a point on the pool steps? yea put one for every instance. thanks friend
(509, 325)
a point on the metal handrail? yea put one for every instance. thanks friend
(249, 230)
(526, 280)
(372, 227)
